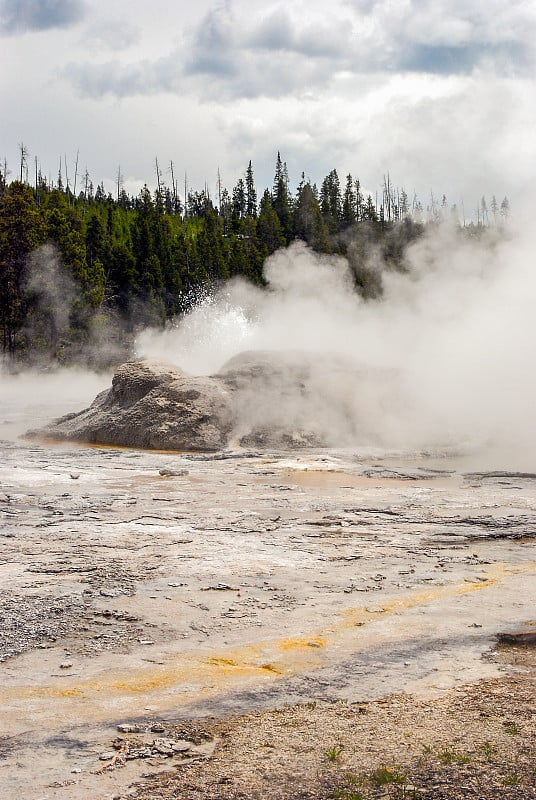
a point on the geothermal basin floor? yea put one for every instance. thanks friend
(155, 590)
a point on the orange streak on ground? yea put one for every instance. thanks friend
(287, 656)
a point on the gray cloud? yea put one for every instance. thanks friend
(275, 54)
(279, 32)
(213, 48)
(112, 35)
(125, 80)
(448, 59)
(20, 16)
(450, 35)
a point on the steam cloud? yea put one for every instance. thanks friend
(443, 358)
(56, 290)
(32, 398)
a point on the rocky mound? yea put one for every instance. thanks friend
(257, 399)
(152, 405)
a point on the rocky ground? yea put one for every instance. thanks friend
(476, 741)
(251, 620)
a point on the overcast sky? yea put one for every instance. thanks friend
(440, 93)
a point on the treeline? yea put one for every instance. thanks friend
(78, 266)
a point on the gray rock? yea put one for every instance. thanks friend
(181, 746)
(173, 473)
(151, 405)
(127, 728)
(523, 638)
(295, 400)
(164, 747)
(157, 727)
(258, 399)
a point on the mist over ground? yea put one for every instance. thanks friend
(444, 354)
(30, 398)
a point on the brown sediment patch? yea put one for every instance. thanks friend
(337, 479)
(76, 444)
(313, 477)
(475, 742)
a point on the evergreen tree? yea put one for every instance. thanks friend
(494, 208)
(484, 210)
(281, 201)
(369, 210)
(330, 201)
(226, 211)
(21, 231)
(308, 222)
(349, 203)
(239, 203)
(269, 230)
(251, 194)
(65, 228)
(403, 205)
(97, 241)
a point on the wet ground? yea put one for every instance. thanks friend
(147, 588)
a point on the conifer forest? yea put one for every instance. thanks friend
(82, 269)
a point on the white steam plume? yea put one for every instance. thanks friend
(455, 334)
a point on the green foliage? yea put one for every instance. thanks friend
(512, 728)
(334, 753)
(281, 201)
(348, 791)
(21, 232)
(269, 230)
(309, 224)
(488, 750)
(512, 779)
(331, 201)
(346, 794)
(453, 757)
(386, 775)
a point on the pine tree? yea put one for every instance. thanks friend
(308, 222)
(251, 193)
(269, 230)
(281, 201)
(349, 203)
(330, 201)
(239, 202)
(21, 232)
(226, 210)
(494, 208)
(505, 209)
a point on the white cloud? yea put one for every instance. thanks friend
(110, 34)
(439, 93)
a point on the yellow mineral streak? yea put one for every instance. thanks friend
(286, 656)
